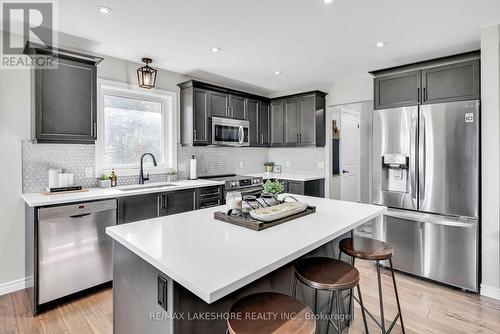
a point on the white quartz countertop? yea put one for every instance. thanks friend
(287, 176)
(211, 258)
(40, 199)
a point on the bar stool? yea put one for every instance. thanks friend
(327, 274)
(270, 312)
(373, 250)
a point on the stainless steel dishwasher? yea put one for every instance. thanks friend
(74, 252)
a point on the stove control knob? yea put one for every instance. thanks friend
(234, 184)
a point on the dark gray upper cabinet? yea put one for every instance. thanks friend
(253, 118)
(397, 90)
(277, 121)
(219, 104)
(237, 107)
(304, 115)
(448, 79)
(292, 122)
(307, 120)
(66, 102)
(195, 116)
(449, 83)
(264, 128)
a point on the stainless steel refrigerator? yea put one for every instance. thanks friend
(426, 170)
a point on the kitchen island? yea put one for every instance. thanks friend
(196, 267)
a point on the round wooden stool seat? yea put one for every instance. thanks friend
(325, 273)
(366, 248)
(270, 312)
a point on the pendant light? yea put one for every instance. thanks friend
(146, 75)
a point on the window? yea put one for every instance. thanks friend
(133, 122)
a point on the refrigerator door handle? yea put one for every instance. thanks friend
(422, 160)
(413, 156)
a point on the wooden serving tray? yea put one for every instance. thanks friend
(257, 225)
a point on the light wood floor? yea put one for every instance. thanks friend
(427, 308)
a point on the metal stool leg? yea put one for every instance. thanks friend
(362, 309)
(330, 307)
(397, 296)
(382, 319)
(339, 330)
(294, 291)
(351, 305)
(315, 301)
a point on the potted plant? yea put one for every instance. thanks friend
(269, 166)
(273, 187)
(104, 181)
(171, 175)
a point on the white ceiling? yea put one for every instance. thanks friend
(314, 44)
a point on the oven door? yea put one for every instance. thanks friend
(230, 132)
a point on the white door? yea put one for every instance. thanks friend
(350, 155)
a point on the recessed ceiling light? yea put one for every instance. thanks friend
(278, 72)
(105, 10)
(328, 1)
(215, 49)
(380, 44)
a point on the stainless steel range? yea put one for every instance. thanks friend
(246, 185)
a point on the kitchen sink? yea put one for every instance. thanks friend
(145, 187)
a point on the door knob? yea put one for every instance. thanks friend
(345, 171)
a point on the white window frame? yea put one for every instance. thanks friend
(169, 128)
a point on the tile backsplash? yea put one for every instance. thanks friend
(38, 158)
(212, 160)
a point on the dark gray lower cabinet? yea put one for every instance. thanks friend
(147, 206)
(177, 202)
(138, 207)
(315, 188)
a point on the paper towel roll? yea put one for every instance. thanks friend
(54, 177)
(192, 169)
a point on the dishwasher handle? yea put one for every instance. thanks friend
(81, 215)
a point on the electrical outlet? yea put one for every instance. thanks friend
(162, 293)
(242, 164)
(89, 172)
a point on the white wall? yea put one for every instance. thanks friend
(490, 137)
(14, 127)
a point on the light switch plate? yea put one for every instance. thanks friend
(89, 172)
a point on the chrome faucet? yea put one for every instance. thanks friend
(141, 174)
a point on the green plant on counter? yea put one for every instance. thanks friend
(269, 164)
(273, 187)
(171, 171)
(104, 177)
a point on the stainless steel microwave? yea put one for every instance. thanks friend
(230, 132)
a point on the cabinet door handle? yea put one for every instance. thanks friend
(425, 94)
(194, 134)
(194, 200)
(262, 139)
(94, 130)
(300, 137)
(418, 95)
(158, 206)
